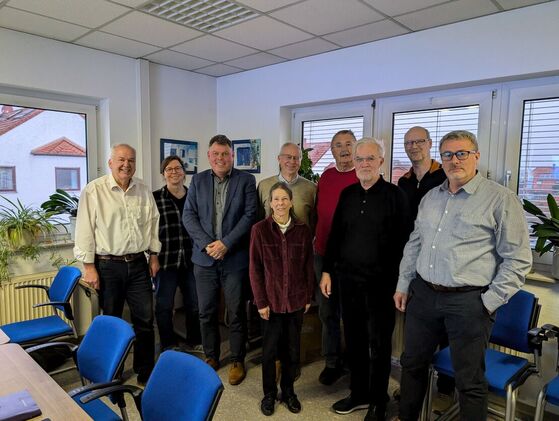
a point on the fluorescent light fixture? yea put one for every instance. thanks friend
(204, 15)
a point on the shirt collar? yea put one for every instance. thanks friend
(283, 180)
(434, 167)
(228, 175)
(470, 187)
(113, 183)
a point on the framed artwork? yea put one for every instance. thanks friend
(246, 155)
(185, 149)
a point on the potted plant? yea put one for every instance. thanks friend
(546, 231)
(306, 167)
(60, 203)
(20, 230)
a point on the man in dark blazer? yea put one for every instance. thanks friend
(218, 214)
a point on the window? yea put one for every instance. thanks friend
(68, 178)
(438, 122)
(539, 151)
(39, 141)
(7, 179)
(317, 134)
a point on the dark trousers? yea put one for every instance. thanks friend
(429, 314)
(130, 281)
(209, 281)
(329, 314)
(281, 339)
(167, 282)
(369, 315)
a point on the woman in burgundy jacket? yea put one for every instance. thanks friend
(282, 280)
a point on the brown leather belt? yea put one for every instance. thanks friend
(124, 258)
(442, 288)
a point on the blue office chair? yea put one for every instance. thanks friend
(550, 391)
(180, 388)
(514, 328)
(44, 329)
(100, 362)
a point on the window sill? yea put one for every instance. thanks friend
(541, 273)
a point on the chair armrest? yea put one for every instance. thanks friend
(44, 287)
(537, 335)
(551, 331)
(119, 392)
(92, 387)
(67, 307)
(71, 346)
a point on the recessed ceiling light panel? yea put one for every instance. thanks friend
(204, 15)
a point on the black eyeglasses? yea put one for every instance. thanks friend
(461, 155)
(417, 142)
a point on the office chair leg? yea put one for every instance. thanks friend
(510, 407)
(540, 405)
(428, 399)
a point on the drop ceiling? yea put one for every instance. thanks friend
(221, 37)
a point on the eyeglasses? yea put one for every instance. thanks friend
(417, 142)
(367, 159)
(169, 170)
(290, 157)
(461, 155)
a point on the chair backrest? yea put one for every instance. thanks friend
(63, 286)
(181, 387)
(101, 354)
(514, 320)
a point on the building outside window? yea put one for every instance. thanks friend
(7, 179)
(68, 179)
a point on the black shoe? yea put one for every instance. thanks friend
(376, 413)
(349, 404)
(330, 375)
(267, 404)
(292, 403)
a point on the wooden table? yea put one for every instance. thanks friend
(3, 338)
(19, 371)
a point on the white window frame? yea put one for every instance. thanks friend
(330, 111)
(90, 112)
(483, 96)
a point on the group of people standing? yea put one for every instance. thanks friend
(349, 243)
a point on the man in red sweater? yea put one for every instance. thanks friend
(330, 185)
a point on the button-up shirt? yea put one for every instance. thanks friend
(113, 221)
(475, 237)
(220, 194)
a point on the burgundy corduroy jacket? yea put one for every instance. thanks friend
(281, 266)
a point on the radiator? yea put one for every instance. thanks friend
(17, 304)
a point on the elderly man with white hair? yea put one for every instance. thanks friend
(370, 228)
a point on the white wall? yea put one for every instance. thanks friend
(182, 107)
(516, 44)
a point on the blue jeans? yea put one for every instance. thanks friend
(167, 282)
(329, 314)
(429, 314)
(209, 281)
(130, 281)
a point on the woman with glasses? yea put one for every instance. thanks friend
(282, 280)
(174, 259)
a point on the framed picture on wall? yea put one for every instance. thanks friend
(246, 155)
(187, 150)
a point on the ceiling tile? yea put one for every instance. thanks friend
(118, 45)
(325, 16)
(514, 4)
(367, 33)
(399, 7)
(90, 13)
(303, 49)
(447, 13)
(39, 25)
(214, 48)
(182, 61)
(219, 70)
(267, 5)
(263, 33)
(131, 3)
(151, 30)
(255, 60)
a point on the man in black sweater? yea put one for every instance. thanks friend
(370, 228)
